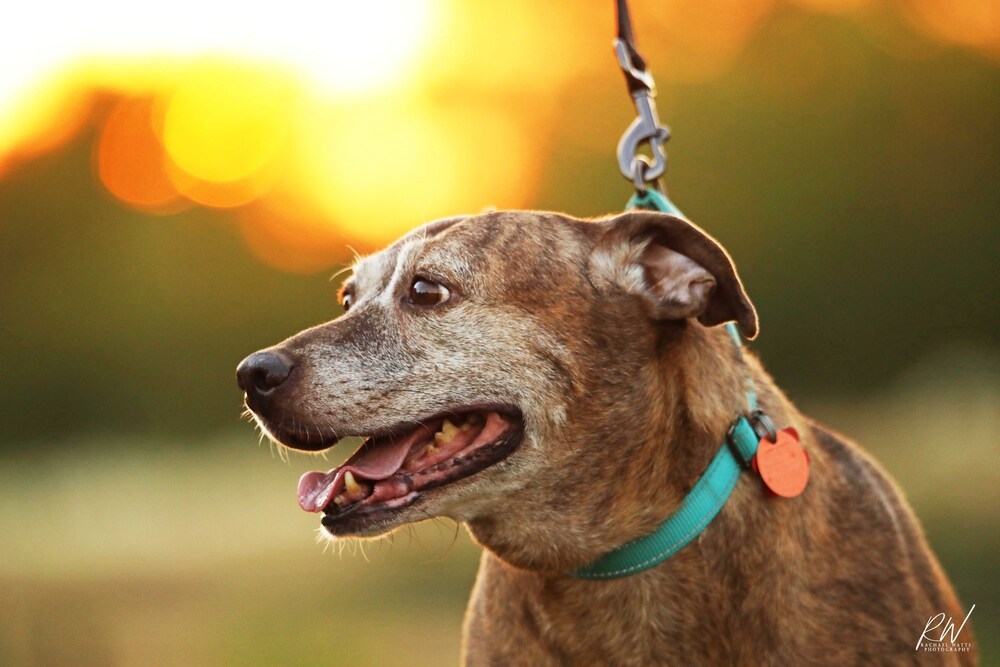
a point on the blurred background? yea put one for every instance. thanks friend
(179, 182)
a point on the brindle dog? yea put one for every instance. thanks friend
(558, 385)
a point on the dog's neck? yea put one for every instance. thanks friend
(628, 482)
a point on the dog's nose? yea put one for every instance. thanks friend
(262, 371)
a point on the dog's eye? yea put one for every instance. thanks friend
(347, 302)
(424, 292)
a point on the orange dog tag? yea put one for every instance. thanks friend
(783, 464)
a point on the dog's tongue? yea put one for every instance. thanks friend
(373, 461)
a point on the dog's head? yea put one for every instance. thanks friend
(494, 363)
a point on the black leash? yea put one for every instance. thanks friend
(642, 171)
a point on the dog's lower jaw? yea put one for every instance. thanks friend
(627, 480)
(549, 545)
(531, 530)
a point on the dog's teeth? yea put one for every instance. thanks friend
(431, 449)
(446, 434)
(353, 488)
(340, 500)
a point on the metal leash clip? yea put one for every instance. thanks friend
(646, 127)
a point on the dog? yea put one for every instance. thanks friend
(559, 385)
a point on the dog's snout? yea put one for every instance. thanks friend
(263, 371)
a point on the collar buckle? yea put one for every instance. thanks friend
(762, 425)
(746, 432)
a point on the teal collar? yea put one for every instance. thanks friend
(697, 510)
(710, 492)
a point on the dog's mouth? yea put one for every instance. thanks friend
(391, 472)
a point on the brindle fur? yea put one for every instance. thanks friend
(623, 409)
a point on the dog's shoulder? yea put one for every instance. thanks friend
(858, 484)
(869, 514)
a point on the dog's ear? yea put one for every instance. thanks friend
(680, 270)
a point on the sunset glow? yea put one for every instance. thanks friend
(301, 118)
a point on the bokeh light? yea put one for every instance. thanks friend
(698, 39)
(379, 170)
(973, 23)
(130, 159)
(41, 118)
(226, 121)
(341, 124)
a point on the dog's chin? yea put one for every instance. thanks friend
(297, 436)
(404, 473)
